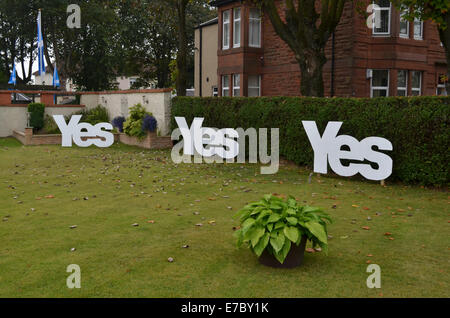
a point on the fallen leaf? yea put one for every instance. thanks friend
(310, 250)
(366, 228)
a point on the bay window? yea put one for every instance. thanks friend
(236, 85)
(404, 26)
(418, 29)
(226, 30)
(379, 86)
(255, 28)
(402, 83)
(416, 83)
(254, 86)
(237, 27)
(225, 85)
(382, 18)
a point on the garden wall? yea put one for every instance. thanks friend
(156, 101)
(14, 117)
(418, 127)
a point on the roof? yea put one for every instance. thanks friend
(207, 23)
(218, 3)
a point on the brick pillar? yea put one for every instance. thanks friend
(5, 98)
(46, 98)
(28, 136)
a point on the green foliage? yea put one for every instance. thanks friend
(94, 116)
(274, 224)
(50, 126)
(426, 9)
(36, 111)
(417, 126)
(133, 125)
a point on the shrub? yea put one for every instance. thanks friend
(36, 111)
(118, 123)
(50, 126)
(94, 116)
(416, 126)
(133, 125)
(149, 123)
(273, 224)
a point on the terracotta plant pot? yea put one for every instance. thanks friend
(293, 259)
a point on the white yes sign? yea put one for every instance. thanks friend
(328, 148)
(74, 131)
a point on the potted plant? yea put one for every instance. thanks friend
(277, 230)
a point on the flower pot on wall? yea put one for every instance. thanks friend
(293, 259)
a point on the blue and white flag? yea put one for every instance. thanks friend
(55, 77)
(13, 78)
(40, 46)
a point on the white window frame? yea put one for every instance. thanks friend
(226, 22)
(441, 86)
(402, 35)
(236, 87)
(225, 88)
(388, 33)
(405, 88)
(418, 37)
(250, 29)
(237, 22)
(415, 89)
(372, 88)
(255, 87)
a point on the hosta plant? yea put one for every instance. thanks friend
(275, 224)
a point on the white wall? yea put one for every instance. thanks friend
(158, 103)
(15, 118)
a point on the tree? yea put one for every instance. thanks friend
(306, 27)
(437, 11)
(17, 33)
(184, 10)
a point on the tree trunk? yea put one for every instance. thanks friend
(182, 49)
(311, 65)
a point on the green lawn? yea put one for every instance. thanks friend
(43, 191)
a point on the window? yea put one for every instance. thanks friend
(254, 28)
(418, 29)
(226, 30)
(236, 85)
(440, 91)
(402, 83)
(382, 21)
(254, 85)
(237, 27)
(404, 26)
(380, 83)
(416, 83)
(225, 85)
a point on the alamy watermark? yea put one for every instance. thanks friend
(213, 145)
(74, 279)
(374, 279)
(74, 19)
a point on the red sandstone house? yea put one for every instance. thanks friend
(247, 58)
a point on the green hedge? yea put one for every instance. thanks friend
(36, 111)
(416, 126)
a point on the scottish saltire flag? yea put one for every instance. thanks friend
(55, 77)
(40, 46)
(13, 78)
